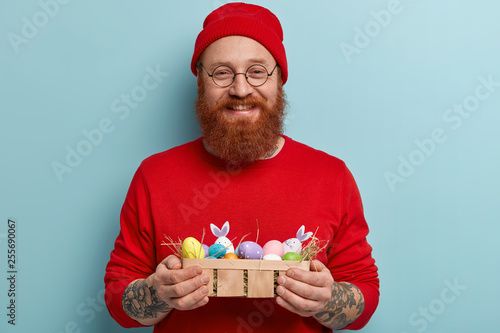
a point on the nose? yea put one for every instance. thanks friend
(240, 87)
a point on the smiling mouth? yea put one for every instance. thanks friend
(241, 107)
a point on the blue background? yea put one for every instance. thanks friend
(435, 225)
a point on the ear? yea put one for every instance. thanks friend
(198, 77)
(306, 236)
(215, 230)
(300, 232)
(225, 229)
(301, 236)
(198, 72)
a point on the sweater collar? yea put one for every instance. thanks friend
(214, 160)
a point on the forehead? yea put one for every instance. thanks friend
(236, 51)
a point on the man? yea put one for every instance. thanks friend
(244, 170)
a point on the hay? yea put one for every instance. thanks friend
(175, 247)
(276, 276)
(214, 285)
(245, 283)
(312, 248)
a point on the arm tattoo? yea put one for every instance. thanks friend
(345, 306)
(140, 301)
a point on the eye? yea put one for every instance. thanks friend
(223, 72)
(219, 73)
(257, 71)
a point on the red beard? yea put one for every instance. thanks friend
(241, 141)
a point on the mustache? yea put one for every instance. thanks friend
(232, 102)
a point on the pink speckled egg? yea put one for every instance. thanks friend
(274, 247)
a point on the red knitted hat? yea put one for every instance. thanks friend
(241, 19)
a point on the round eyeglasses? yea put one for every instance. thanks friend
(224, 76)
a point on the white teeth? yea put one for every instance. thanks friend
(241, 107)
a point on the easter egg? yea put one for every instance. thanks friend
(272, 256)
(231, 255)
(274, 247)
(226, 242)
(217, 250)
(250, 250)
(191, 248)
(205, 248)
(292, 256)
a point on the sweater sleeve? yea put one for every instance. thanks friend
(133, 256)
(350, 258)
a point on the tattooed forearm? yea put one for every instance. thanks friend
(140, 301)
(345, 306)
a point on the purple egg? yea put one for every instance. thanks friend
(205, 248)
(250, 250)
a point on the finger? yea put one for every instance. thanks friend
(172, 262)
(317, 266)
(184, 287)
(297, 304)
(193, 300)
(283, 303)
(171, 277)
(318, 278)
(304, 290)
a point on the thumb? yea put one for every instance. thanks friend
(172, 262)
(317, 266)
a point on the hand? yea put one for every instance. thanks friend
(305, 292)
(182, 289)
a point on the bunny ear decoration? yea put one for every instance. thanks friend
(225, 229)
(215, 230)
(301, 236)
(218, 232)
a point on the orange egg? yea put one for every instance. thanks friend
(231, 256)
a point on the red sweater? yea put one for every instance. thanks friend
(181, 191)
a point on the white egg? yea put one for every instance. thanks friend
(272, 257)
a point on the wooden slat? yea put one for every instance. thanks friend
(250, 264)
(229, 282)
(210, 285)
(260, 283)
(231, 271)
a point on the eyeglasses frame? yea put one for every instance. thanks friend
(234, 76)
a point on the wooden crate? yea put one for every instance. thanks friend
(228, 276)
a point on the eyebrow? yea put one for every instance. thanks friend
(253, 61)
